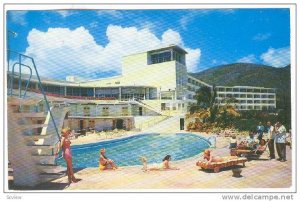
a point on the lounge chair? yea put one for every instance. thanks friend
(250, 153)
(216, 166)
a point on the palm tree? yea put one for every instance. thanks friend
(206, 96)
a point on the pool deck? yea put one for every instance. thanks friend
(262, 173)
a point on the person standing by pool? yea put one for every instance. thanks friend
(280, 140)
(104, 162)
(65, 144)
(165, 165)
(271, 136)
(260, 131)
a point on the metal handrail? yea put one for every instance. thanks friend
(39, 82)
(28, 81)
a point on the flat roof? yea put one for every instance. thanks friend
(176, 47)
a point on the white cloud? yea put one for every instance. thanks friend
(112, 13)
(261, 36)
(171, 37)
(193, 59)
(247, 59)
(60, 51)
(18, 17)
(277, 57)
(65, 13)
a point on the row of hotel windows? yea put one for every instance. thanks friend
(245, 90)
(126, 93)
(105, 111)
(165, 56)
(251, 101)
(250, 107)
(245, 96)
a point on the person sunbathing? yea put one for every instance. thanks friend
(209, 158)
(165, 165)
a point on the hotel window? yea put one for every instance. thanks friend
(105, 111)
(264, 91)
(256, 96)
(271, 90)
(271, 96)
(242, 90)
(160, 57)
(250, 107)
(257, 107)
(220, 89)
(236, 95)
(236, 89)
(243, 95)
(271, 102)
(249, 96)
(264, 96)
(271, 107)
(249, 90)
(86, 111)
(249, 101)
(178, 57)
(257, 101)
(257, 90)
(124, 111)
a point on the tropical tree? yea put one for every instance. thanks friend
(206, 97)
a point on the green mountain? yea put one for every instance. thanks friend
(245, 74)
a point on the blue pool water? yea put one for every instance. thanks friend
(126, 151)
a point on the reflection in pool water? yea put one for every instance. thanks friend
(126, 151)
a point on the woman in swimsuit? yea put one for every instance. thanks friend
(210, 158)
(65, 144)
(104, 162)
(165, 165)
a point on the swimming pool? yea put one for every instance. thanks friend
(126, 151)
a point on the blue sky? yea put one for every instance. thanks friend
(91, 43)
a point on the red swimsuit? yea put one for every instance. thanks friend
(67, 154)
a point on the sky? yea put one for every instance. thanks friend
(91, 43)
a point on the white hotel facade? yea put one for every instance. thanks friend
(158, 79)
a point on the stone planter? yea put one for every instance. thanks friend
(236, 172)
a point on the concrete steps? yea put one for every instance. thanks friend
(31, 153)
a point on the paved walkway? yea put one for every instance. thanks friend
(260, 173)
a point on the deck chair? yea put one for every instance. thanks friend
(230, 161)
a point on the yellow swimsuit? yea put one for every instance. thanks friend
(101, 167)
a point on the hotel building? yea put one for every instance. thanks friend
(152, 83)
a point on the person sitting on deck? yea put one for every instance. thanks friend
(106, 163)
(233, 142)
(249, 143)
